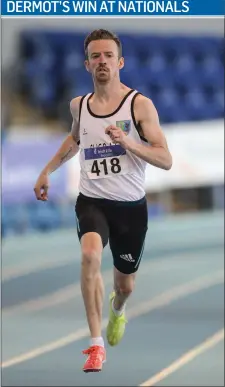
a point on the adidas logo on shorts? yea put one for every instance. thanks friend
(127, 257)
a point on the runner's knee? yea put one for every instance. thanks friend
(124, 284)
(91, 254)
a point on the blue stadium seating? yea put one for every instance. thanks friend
(36, 216)
(189, 70)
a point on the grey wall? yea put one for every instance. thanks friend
(12, 27)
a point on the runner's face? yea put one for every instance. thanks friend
(103, 60)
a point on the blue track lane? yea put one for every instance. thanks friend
(178, 301)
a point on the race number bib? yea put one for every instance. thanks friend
(105, 161)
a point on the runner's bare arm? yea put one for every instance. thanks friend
(158, 153)
(69, 147)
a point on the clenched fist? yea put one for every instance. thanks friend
(117, 136)
(41, 187)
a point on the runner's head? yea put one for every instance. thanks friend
(103, 51)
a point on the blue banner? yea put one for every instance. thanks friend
(112, 7)
(103, 152)
(22, 163)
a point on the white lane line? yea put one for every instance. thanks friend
(185, 358)
(197, 240)
(55, 298)
(16, 271)
(159, 301)
(70, 292)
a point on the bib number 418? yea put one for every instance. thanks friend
(99, 167)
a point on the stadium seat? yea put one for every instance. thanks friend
(178, 64)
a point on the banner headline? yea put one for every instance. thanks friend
(111, 7)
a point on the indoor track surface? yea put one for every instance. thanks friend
(175, 333)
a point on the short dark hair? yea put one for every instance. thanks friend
(102, 35)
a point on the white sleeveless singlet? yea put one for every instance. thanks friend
(109, 171)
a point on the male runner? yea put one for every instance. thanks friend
(117, 132)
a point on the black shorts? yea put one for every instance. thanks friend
(123, 224)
